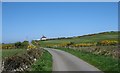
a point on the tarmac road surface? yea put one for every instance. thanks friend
(63, 61)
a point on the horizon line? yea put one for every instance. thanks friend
(63, 36)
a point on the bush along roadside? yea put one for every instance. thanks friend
(21, 62)
(44, 63)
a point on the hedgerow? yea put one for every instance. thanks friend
(21, 62)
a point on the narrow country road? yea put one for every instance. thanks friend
(63, 61)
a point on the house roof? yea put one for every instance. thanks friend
(43, 37)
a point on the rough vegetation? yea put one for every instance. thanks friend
(97, 45)
(105, 43)
(21, 62)
(44, 63)
(17, 45)
(100, 49)
(104, 63)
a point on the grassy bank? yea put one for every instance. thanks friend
(44, 63)
(101, 62)
(82, 39)
(11, 52)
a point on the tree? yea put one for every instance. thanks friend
(18, 45)
(25, 44)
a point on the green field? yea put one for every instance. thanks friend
(84, 39)
(12, 52)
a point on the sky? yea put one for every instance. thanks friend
(0, 22)
(30, 20)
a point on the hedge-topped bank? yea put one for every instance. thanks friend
(16, 45)
(44, 63)
(21, 62)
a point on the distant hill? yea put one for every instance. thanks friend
(89, 38)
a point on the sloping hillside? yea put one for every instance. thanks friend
(113, 35)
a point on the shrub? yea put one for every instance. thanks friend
(31, 47)
(25, 44)
(108, 42)
(21, 62)
(8, 46)
(18, 45)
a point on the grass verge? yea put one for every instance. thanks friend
(44, 63)
(104, 63)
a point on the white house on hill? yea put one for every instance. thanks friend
(43, 38)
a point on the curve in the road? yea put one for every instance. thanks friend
(63, 61)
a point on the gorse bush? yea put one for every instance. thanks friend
(8, 46)
(108, 42)
(0, 46)
(104, 47)
(31, 47)
(89, 44)
(16, 45)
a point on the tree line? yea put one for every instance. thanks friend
(16, 45)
